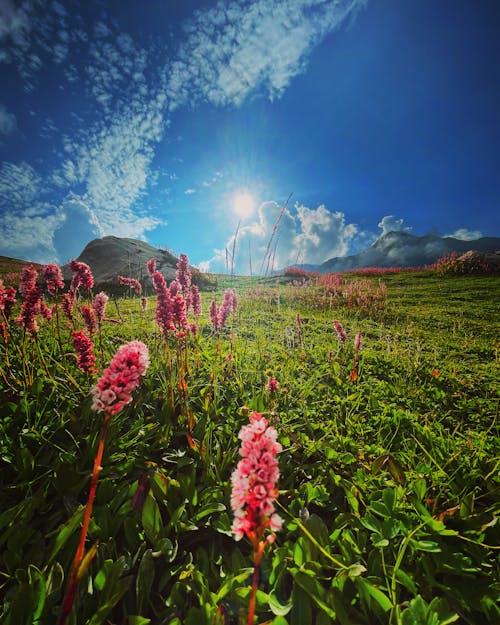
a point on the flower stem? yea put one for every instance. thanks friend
(74, 577)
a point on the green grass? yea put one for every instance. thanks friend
(389, 484)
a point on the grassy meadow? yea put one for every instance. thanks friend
(389, 472)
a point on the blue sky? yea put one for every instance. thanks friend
(176, 121)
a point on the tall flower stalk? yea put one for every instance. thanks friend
(254, 492)
(110, 395)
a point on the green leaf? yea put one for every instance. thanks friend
(65, 533)
(278, 608)
(37, 582)
(138, 620)
(376, 594)
(151, 518)
(144, 581)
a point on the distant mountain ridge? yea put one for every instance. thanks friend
(402, 249)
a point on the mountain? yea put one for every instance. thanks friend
(401, 249)
(112, 256)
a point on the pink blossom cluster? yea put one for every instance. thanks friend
(195, 300)
(28, 280)
(89, 318)
(358, 340)
(254, 481)
(132, 283)
(7, 299)
(82, 276)
(30, 309)
(53, 278)
(183, 274)
(84, 352)
(99, 306)
(220, 315)
(163, 303)
(272, 384)
(341, 335)
(67, 304)
(173, 302)
(114, 389)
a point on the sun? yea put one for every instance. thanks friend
(243, 204)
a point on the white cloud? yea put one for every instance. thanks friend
(237, 48)
(189, 191)
(32, 32)
(19, 186)
(465, 235)
(301, 235)
(389, 223)
(8, 122)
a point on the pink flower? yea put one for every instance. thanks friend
(132, 283)
(178, 307)
(7, 299)
(45, 311)
(84, 350)
(30, 309)
(193, 328)
(82, 276)
(28, 280)
(358, 341)
(99, 306)
(89, 319)
(214, 317)
(54, 278)
(164, 316)
(183, 275)
(195, 300)
(272, 384)
(113, 390)
(173, 288)
(254, 482)
(151, 266)
(67, 305)
(341, 335)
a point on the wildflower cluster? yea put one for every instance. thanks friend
(99, 306)
(220, 314)
(254, 482)
(53, 278)
(341, 335)
(114, 389)
(132, 283)
(82, 277)
(84, 351)
(173, 302)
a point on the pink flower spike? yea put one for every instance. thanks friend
(84, 351)
(272, 384)
(114, 389)
(54, 278)
(254, 481)
(183, 275)
(358, 341)
(99, 306)
(341, 335)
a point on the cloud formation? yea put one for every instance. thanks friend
(281, 237)
(465, 235)
(389, 223)
(237, 48)
(8, 122)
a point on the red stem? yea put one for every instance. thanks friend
(74, 578)
(257, 557)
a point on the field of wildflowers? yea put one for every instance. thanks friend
(292, 450)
